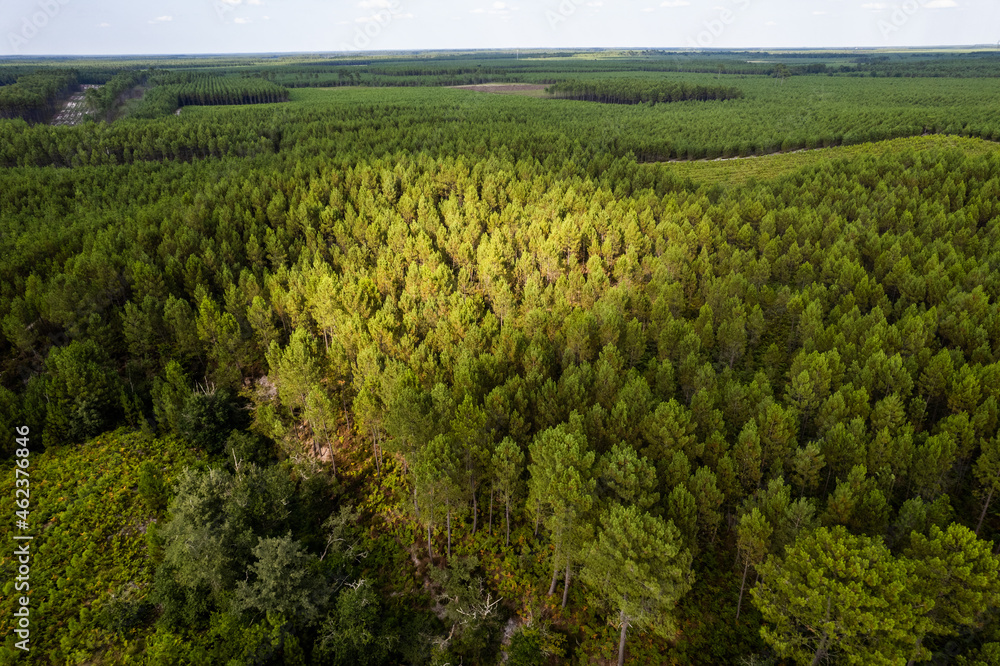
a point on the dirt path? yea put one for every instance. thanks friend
(74, 108)
(746, 157)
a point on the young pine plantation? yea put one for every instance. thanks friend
(342, 365)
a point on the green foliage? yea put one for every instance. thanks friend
(526, 649)
(637, 91)
(638, 569)
(397, 280)
(207, 418)
(753, 535)
(837, 594)
(153, 490)
(507, 464)
(248, 448)
(475, 616)
(625, 478)
(10, 417)
(208, 90)
(561, 489)
(82, 393)
(124, 615)
(987, 470)
(91, 575)
(282, 582)
(170, 393)
(959, 574)
(215, 521)
(353, 633)
(169, 91)
(33, 96)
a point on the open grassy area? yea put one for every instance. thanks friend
(765, 167)
(524, 89)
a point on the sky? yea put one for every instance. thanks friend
(132, 27)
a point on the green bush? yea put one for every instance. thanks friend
(207, 418)
(525, 648)
(248, 447)
(82, 392)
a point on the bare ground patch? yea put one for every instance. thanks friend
(528, 89)
(74, 108)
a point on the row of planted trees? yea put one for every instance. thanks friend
(34, 96)
(637, 91)
(212, 90)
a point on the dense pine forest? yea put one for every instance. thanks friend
(386, 372)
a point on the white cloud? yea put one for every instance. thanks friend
(649, 9)
(241, 20)
(501, 9)
(382, 17)
(162, 19)
(103, 25)
(594, 4)
(255, 2)
(675, 3)
(875, 6)
(771, 23)
(941, 4)
(376, 4)
(819, 13)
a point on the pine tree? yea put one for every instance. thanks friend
(987, 471)
(836, 593)
(561, 488)
(638, 569)
(508, 463)
(624, 477)
(958, 578)
(752, 536)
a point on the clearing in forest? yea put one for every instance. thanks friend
(74, 108)
(526, 89)
(765, 167)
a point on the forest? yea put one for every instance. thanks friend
(632, 91)
(405, 374)
(33, 96)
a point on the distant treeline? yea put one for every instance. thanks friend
(975, 65)
(33, 97)
(637, 91)
(86, 75)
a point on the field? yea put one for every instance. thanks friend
(332, 360)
